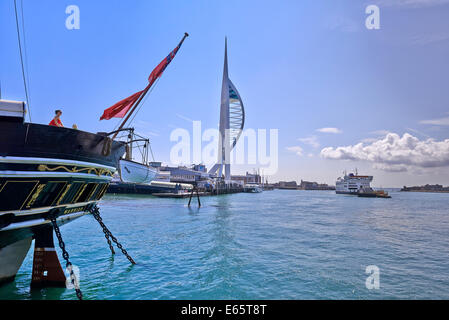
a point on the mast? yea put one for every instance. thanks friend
(145, 91)
(25, 84)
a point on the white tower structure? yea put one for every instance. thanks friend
(232, 121)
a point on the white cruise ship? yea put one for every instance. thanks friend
(352, 183)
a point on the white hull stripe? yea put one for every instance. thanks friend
(37, 222)
(45, 209)
(39, 174)
(54, 162)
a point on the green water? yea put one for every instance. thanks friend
(273, 245)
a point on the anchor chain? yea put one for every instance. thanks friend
(109, 242)
(95, 211)
(65, 255)
(106, 233)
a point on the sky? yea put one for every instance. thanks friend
(340, 95)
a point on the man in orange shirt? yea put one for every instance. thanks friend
(56, 120)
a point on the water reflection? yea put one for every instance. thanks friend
(223, 262)
(47, 293)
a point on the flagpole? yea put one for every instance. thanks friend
(142, 96)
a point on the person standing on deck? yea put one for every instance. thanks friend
(56, 120)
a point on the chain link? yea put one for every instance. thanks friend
(65, 255)
(95, 211)
(109, 243)
(105, 231)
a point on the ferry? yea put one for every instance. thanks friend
(352, 183)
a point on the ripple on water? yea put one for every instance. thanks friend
(273, 245)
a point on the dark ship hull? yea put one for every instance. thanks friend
(47, 169)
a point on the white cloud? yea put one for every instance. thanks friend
(311, 140)
(296, 149)
(390, 167)
(395, 153)
(329, 130)
(437, 122)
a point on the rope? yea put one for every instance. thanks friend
(21, 59)
(26, 52)
(151, 149)
(144, 100)
(141, 104)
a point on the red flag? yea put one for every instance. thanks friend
(157, 72)
(119, 109)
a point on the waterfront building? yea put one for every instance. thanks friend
(163, 176)
(184, 174)
(248, 178)
(427, 188)
(307, 185)
(287, 185)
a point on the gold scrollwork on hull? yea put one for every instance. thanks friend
(80, 192)
(89, 170)
(67, 188)
(35, 195)
(102, 191)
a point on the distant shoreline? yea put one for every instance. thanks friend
(434, 188)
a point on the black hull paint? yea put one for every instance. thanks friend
(43, 168)
(42, 141)
(8, 237)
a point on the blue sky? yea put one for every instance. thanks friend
(300, 66)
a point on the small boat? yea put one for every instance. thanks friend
(131, 171)
(135, 172)
(180, 194)
(253, 188)
(370, 193)
(180, 191)
(382, 194)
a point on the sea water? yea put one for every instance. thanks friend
(281, 244)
